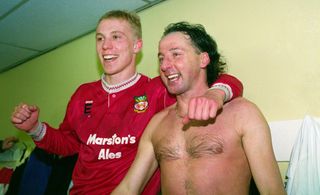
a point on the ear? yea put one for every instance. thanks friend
(205, 59)
(137, 46)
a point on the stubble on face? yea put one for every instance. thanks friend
(178, 62)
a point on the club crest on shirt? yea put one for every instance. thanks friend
(140, 103)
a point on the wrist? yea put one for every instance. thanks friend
(37, 132)
(34, 128)
(224, 88)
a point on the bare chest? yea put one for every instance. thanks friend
(197, 140)
(201, 158)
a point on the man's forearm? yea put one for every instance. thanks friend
(230, 85)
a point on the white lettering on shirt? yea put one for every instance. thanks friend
(114, 140)
(105, 153)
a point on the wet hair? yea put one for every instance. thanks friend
(202, 42)
(132, 18)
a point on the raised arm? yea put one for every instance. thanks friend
(258, 148)
(143, 166)
(26, 118)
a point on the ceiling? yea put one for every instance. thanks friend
(29, 28)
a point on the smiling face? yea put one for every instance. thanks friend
(117, 46)
(181, 65)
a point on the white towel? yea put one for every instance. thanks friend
(303, 175)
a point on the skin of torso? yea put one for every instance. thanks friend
(202, 158)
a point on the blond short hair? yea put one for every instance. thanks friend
(131, 17)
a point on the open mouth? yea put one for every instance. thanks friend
(173, 77)
(109, 57)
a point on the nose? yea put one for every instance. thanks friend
(107, 44)
(165, 64)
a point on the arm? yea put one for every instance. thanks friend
(258, 148)
(143, 166)
(230, 86)
(224, 89)
(26, 118)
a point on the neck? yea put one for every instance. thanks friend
(110, 88)
(184, 99)
(121, 75)
(116, 79)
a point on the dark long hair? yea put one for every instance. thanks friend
(202, 42)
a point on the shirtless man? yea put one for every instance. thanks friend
(217, 156)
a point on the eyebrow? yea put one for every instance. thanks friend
(112, 32)
(171, 49)
(175, 48)
(99, 34)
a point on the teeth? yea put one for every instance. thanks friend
(173, 77)
(109, 57)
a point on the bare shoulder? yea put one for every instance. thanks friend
(158, 118)
(242, 106)
(246, 116)
(163, 113)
